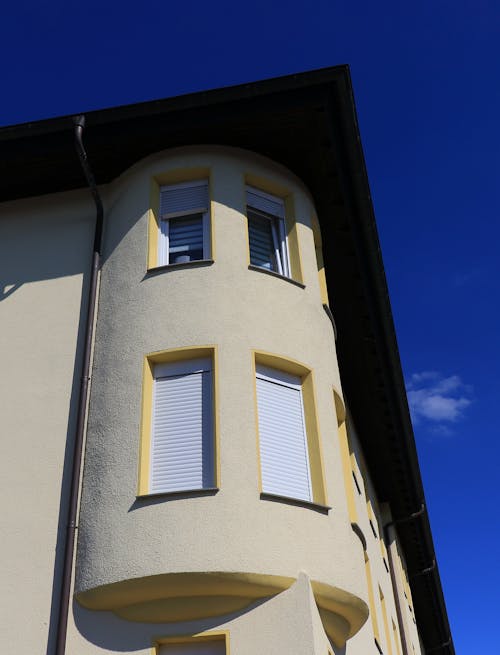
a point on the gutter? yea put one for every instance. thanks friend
(71, 526)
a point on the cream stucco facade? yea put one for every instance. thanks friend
(226, 567)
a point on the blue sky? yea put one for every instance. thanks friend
(426, 81)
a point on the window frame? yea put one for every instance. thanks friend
(288, 366)
(279, 235)
(163, 254)
(217, 636)
(177, 359)
(277, 378)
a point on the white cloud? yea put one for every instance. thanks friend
(437, 399)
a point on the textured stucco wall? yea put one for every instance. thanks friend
(45, 248)
(238, 310)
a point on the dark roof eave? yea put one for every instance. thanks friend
(376, 296)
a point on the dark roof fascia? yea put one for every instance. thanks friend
(177, 103)
(340, 163)
(350, 157)
(42, 152)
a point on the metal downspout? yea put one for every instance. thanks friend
(64, 596)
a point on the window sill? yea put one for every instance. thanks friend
(206, 491)
(276, 498)
(167, 267)
(260, 269)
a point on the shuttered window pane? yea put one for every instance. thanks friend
(185, 239)
(282, 438)
(182, 445)
(262, 252)
(266, 231)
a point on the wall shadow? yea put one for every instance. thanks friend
(108, 631)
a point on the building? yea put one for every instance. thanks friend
(249, 482)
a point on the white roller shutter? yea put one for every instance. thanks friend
(265, 202)
(182, 443)
(282, 435)
(186, 198)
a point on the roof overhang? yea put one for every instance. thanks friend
(307, 122)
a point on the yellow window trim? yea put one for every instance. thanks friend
(278, 190)
(373, 520)
(339, 406)
(395, 634)
(209, 635)
(347, 470)
(164, 357)
(314, 449)
(386, 622)
(371, 598)
(176, 176)
(318, 247)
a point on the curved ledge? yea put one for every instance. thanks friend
(332, 320)
(339, 407)
(162, 268)
(359, 533)
(342, 613)
(261, 269)
(323, 509)
(182, 596)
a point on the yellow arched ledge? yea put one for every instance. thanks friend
(342, 613)
(339, 406)
(182, 596)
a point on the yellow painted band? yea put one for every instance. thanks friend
(346, 467)
(318, 246)
(386, 623)
(183, 596)
(342, 613)
(371, 598)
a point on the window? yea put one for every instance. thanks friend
(201, 648)
(266, 232)
(198, 645)
(283, 444)
(184, 223)
(181, 445)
